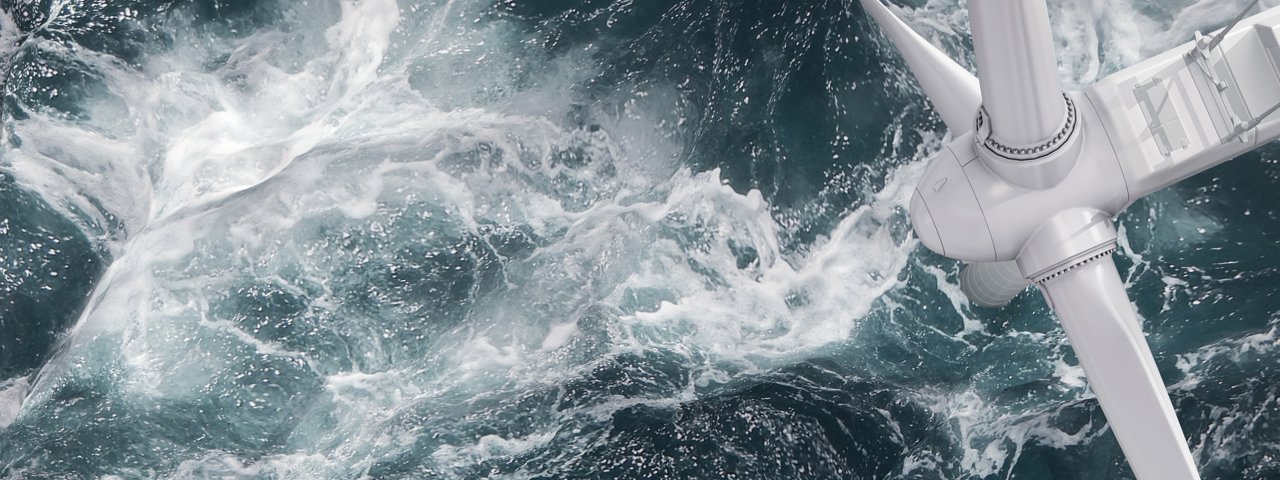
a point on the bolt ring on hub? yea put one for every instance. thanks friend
(982, 137)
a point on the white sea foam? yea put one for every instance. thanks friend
(12, 395)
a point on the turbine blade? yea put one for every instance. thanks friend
(1095, 312)
(1021, 92)
(954, 91)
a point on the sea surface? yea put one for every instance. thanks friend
(565, 239)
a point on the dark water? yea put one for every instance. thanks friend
(563, 239)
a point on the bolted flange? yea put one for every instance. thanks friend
(1037, 166)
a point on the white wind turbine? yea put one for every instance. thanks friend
(1027, 190)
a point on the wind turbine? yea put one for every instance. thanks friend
(1027, 190)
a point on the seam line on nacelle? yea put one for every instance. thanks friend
(995, 256)
(937, 233)
(1128, 192)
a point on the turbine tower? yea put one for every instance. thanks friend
(1027, 190)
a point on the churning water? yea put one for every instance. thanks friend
(563, 239)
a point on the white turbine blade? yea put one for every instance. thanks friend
(1192, 107)
(1021, 92)
(1095, 312)
(992, 284)
(953, 91)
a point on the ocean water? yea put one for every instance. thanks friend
(516, 239)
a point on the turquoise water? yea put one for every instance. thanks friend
(563, 239)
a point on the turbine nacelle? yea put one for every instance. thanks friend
(976, 205)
